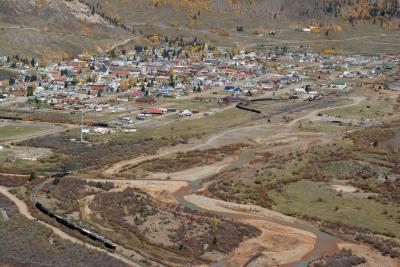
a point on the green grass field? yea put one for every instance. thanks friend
(318, 200)
(371, 109)
(16, 130)
(3, 156)
(320, 127)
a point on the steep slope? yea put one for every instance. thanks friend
(53, 28)
(209, 13)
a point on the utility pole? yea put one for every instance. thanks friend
(258, 48)
(81, 125)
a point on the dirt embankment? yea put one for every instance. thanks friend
(278, 242)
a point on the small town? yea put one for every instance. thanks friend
(123, 89)
(222, 133)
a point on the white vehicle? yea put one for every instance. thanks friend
(100, 130)
(140, 116)
(130, 130)
(186, 112)
(125, 119)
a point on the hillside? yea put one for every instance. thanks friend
(66, 27)
(246, 23)
(53, 28)
(209, 13)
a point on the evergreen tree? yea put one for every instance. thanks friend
(172, 81)
(29, 91)
(32, 176)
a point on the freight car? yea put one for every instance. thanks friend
(10, 118)
(262, 99)
(243, 107)
(44, 210)
(100, 124)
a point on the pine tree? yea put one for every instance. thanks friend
(32, 176)
(172, 81)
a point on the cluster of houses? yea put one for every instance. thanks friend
(165, 72)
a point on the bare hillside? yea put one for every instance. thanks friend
(53, 28)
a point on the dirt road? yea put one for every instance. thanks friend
(313, 115)
(121, 44)
(23, 210)
(115, 168)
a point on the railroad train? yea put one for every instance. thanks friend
(243, 107)
(76, 227)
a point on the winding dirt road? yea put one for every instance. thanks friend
(313, 115)
(117, 167)
(23, 210)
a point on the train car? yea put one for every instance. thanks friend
(44, 210)
(109, 245)
(84, 231)
(71, 225)
(242, 107)
(262, 99)
(100, 124)
(10, 118)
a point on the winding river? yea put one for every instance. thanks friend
(325, 244)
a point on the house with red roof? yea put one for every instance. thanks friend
(120, 72)
(135, 93)
(98, 87)
(154, 111)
